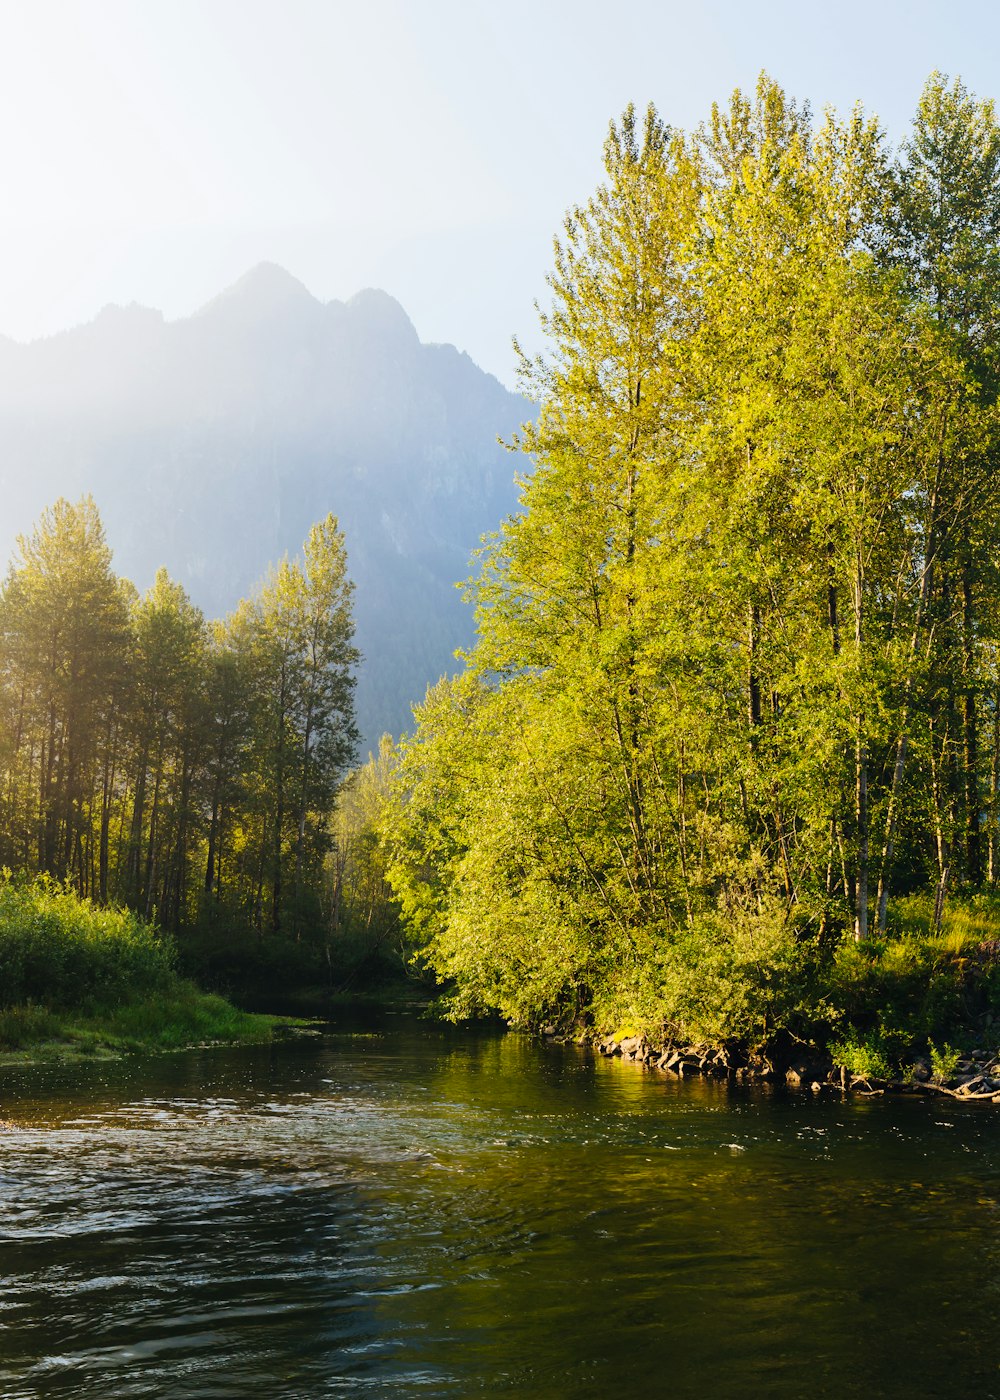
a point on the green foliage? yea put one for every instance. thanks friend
(60, 951)
(364, 934)
(944, 1062)
(909, 989)
(89, 979)
(27, 1025)
(864, 1055)
(736, 653)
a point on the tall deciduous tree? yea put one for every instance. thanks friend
(750, 572)
(64, 630)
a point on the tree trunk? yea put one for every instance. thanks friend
(991, 872)
(899, 767)
(970, 736)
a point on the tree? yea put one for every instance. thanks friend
(168, 665)
(64, 631)
(705, 641)
(299, 640)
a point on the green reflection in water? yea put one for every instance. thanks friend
(418, 1211)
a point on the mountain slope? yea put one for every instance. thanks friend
(211, 444)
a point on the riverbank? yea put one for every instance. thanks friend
(971, 1077)
(81, 980)
(916, 1011)
(183, 1018)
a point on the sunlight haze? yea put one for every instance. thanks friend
(155, 152)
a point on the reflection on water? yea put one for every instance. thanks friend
(414, 1211)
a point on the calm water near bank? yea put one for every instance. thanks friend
(404, 1210)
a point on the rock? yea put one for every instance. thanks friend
(921, 1070)
(806, 1068)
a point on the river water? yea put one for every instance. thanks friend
(399, 1209)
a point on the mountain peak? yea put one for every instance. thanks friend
(382, 315)
(265, 290)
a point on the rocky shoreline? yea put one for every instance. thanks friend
(976, 1076)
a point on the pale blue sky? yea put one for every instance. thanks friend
(153, 150)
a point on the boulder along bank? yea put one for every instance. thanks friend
(976, 1076)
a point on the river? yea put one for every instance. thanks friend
(400, 1209)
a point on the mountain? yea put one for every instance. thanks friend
(211, 444)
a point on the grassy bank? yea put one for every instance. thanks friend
(919, 992)
(80, 980)
(879, 1008)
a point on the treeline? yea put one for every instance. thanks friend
(736, 682)
(184, 768)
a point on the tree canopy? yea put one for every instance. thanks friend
(186, 769)
(735, 685)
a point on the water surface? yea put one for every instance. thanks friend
(403, 1210)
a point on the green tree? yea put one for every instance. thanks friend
(64, 632)
(677, 758)
(299, 635)
(168, 654)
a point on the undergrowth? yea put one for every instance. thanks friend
(87, 979)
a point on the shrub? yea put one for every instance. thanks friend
(60, 951)
(944, 1062)
(863, 1055)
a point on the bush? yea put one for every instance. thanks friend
(24, 1025)
(906, 990)
(866, 1056)
(739, 978)
(61, 952)
(944, 1063)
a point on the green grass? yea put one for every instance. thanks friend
(966, 923)
(917, 988)
(186, 1016)
(181, 1018)
(76, 979)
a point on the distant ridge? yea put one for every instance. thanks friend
(213, 442)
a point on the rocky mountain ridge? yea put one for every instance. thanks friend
(212, 443)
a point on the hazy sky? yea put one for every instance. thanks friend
(153, 150)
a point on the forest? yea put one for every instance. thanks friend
(724, 758)
(723, 763)
(182, 769)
